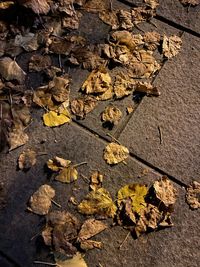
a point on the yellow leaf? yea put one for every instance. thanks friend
(58, 163)
(98, 202)
(76, 261)
(6, 4)
(115, 153)
(136, 193)
(53, 119)
(67, 175)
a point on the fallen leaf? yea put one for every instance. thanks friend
(99, 81)
(129, 110)
(76, 261)
(67, 175)
(72, 22)
(125, 19)
(192, 195)
(111, 114)
(151, 40)
(165, 192)
(115, 153)
(105, 96)
(6, 4)
(110, 18)
(147, 88)
(90, 228)
(38, 6)
(27, 159)
(190, 2)
(17, 137)
(40, 201)
(82, 106)
(54, 119)
(171, 46)
(96, 180)
(10, 70)
(58, 163)
(152, 3)
(123, 85)
(98, 202)
(140, 14)
(90, 244)
(136, 193)
(132, 41)
(39, 63)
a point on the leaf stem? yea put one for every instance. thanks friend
(79, 164)
(55, 203)
(46, 263)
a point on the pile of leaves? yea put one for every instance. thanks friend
(123, 65)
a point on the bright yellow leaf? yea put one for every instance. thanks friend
(53, 119)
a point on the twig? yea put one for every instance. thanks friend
(79, 164)
(113, 138)
(160, 135)
(100, 265)
(37, 234)
(60, 61)
(124, 240)
(46, 263)
(55, 203)
(85, 178)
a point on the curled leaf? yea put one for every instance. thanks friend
(192, 195)
(67, 175)
(27, 159)
(171, 45)
(112, 115)
(58, 163)
(115, 153)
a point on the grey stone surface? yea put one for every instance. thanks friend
(177, 114)
(174, 11)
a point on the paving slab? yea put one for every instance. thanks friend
(173, 11)
(174, 115)
(177, 246)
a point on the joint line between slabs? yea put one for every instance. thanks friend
(132, 155)
(9, 259)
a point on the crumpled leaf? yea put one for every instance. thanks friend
(165, 192)
(115, 153)
(171, 46)
(129, 109)
(82, 106)
(39, 63)
(190, 2)
(99, 81)
(110, 17)
(76, 261)
(192, 195)
(27, 159)
(40, 201)
(17, 137)
(151, 40)
(90, 244)
(147, 88)
(125, 19)
(96, 5)
(10, 70)
(111, 114)
(152, 3)
(96, 180)
(54, 119)
(90, 228)
(140, 14)
(98, 202)
(61, 232)
(72, 22)
(123, 85)
(136, 193)
(58, 163)
(38, 6)
(6, 4)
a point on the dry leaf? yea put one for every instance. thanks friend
(147, 88)
(140, 14)
(151, 40)
(192, 195)
(17, 137)
(67, 175)
(98, 202)
(54, 119)
(76, 261)
(39, 63)
(82, 106)
(110, 18)
(152, 3)
(38, 6)
(171, 46)
(136, 193)
(129, 109)
(99, 81)
(190, 2)
(112, 115)
(123, 85)
(40, 201)
(115, 153)
(90, 244)
(96, 5)
(6, 4)
(27, 159)
(58, 163)
(10, 70)
(165, 192)
(125, 19)
(72, 22)
(96, 180)
(90, 228)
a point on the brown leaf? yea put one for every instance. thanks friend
(125, 19)
(96, 180)
(111, 114)
(129, 109)
(67, 175)
(38, 6)
(58, 163)
(140, 14)
(190, 2)
(90, 228)
(10, 70)
(82, 106)
(115, 153)
(132, 41)
(192, 195)
(165, 192)
(17, 137)
(90, 244)
(40, 201)
(39, 63)
(124, 85)
(110, 18)
(147, 88)
(72, 22)
(171, 46)
(152, 3)
(151, 40)
(27, 159)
